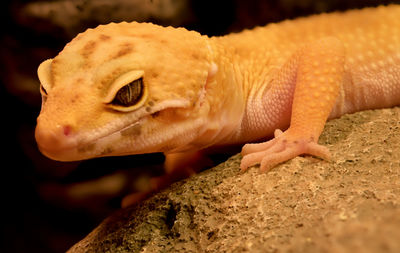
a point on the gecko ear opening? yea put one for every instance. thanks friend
(128, 92)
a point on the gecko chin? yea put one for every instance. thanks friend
(62, 155)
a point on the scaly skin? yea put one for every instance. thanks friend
(202, 92)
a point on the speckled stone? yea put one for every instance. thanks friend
(349, 204)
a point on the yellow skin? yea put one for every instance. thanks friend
(202, 92)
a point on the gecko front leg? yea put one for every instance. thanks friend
(319, 69)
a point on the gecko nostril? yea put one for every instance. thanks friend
(67, 130)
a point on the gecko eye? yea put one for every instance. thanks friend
(43, 91)
(44, 74)
(128, 92)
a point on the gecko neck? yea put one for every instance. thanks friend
(235, 59)
(225, 97)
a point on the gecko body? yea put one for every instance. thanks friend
(133, 88)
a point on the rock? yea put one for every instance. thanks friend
(349, 204)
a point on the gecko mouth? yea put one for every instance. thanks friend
(109, 142)
(97, 147)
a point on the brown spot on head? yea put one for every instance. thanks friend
(106, 151)
(146, 35)
(195, 56)
(75, 98)
(88, 49)
(135, 129)
(124, 49)
(53, 71)
(79, 81)
(86, 148)
(154, 74)
(104, 37)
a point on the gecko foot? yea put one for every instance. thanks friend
(284, 146)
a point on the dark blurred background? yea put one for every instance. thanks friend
(47, 206)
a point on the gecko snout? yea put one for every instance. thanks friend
(53, 142)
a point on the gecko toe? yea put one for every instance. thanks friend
(268, 162)
(257, 147)
(253, 158)
(317, 150)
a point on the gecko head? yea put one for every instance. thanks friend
(121, 89)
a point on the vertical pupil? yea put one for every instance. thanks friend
(130, 94)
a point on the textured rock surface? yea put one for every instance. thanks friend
(350, 204)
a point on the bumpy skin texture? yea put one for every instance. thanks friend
(203, 92)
